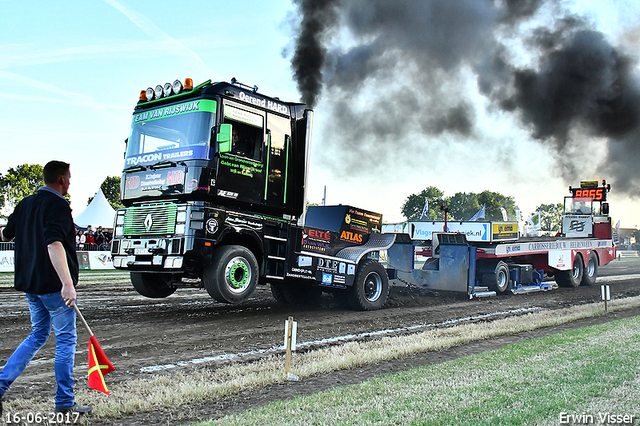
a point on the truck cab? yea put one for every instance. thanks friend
(586, 211)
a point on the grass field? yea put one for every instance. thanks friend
(589, 373)
(531, 383)
(585, 372)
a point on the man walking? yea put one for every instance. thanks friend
(46, 270)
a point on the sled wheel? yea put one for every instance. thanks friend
(232, 275)
(498, 280)
(156, 286)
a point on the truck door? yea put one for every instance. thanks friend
(240, 173)
(278, 147)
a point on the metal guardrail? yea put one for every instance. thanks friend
(627, 253)
(85, 247)
(6, 246)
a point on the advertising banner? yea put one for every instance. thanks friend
(560, 259)
(100, 260)
(475, 231)
(6, 261)
(87, 260)
(577, 226)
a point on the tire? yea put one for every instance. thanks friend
(371, 287)
(590, 270)
(302, 295)
(277, 291)
(291, 294)
(155, 286)
(573, 277)
(498, 280)
(232, 275)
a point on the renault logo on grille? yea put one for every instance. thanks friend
(148, 222)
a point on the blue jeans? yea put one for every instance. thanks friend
(47, 309)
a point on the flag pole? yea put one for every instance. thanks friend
(75, 307)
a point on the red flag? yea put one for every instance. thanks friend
(99, 366)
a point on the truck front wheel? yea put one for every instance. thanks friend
(371, 287)
(232, 275)
(572, 277)
(155, 286)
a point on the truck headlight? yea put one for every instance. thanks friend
(180, 228)
(119, 231)
(120, 219)
(181, 217)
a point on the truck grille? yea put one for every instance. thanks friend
(158, 219)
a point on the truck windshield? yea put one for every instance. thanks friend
(173, 133)
(578, 205)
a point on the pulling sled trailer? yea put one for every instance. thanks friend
(488, 258)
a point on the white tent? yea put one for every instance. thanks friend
(98, 213)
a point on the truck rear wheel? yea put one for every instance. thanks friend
(572, 277)
(498, 280)
(590, 270)
(156, 286)
(371, 287)
(232, 275)
(296, 294)
(277, 291)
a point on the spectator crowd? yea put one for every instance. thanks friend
(90, 240)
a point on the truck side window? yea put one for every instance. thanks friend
(247, 138)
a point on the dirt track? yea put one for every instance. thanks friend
(152, 336)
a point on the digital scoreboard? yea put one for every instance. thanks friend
(591, 190)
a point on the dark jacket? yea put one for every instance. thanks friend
(36, 222)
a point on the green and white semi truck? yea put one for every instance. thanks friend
(214, 186)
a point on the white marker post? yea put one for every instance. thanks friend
(290, 330)
(606, 295)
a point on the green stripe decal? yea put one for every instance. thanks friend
(201, 105)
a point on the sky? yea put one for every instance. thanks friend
(71, 73)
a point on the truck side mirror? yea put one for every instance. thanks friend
(224, 138)
(605, 208)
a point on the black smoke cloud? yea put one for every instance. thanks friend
(319, 17)
(395, 73)
(583, 82)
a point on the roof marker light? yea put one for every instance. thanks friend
(143, 96)
(188, 84)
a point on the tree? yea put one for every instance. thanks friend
(414, 205)
(111, 190)
(19, 183)
(550, 216)
(462, 206)
(493, 201)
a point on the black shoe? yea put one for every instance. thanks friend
(75, 408)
